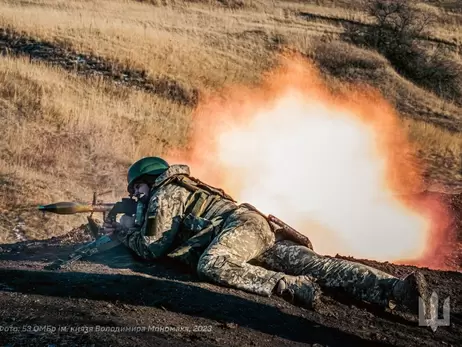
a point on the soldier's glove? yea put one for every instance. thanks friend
(110, 227)
(127, 221)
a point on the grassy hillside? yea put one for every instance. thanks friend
(87, 87)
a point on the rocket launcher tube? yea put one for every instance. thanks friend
(126, 205)
(74, 207)
(110, 211)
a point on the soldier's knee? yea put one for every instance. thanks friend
(209, 266)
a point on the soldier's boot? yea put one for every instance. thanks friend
(406, 292)
(300, 290)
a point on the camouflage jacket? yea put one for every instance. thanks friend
(169, 227)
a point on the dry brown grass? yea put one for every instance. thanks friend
(63, 136)
(440, 150)
(191, 44)
(430, 138)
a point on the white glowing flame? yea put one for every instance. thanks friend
(330, 165)
(316, 167)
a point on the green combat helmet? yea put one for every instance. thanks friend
(146, 166)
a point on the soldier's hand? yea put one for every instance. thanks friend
(109, 227)
(127, 221)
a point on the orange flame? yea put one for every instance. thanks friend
(332, 164)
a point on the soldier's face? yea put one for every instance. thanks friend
(141, 189)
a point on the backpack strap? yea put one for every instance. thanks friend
(203, 195)
(198, 232)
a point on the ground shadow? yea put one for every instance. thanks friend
(120, 257)
(177, 297)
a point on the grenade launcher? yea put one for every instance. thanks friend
(101, 243)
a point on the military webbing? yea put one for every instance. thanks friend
(203, 195)
(197, 202)
(205, 198)
(205, 202)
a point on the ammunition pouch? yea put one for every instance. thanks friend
(197, 232)
(282, 230)
(189, 252)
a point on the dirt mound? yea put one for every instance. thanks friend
(117, 298)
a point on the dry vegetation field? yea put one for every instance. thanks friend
(69, 127)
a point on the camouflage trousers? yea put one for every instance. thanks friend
(245, 255)
(244, 236)
(357, 280)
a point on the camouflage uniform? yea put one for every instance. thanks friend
(359, 281)
(218, 243)
(222, 241)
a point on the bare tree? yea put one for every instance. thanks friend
(399, 34)
(399, 24)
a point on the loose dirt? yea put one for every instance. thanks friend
(115, 299)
